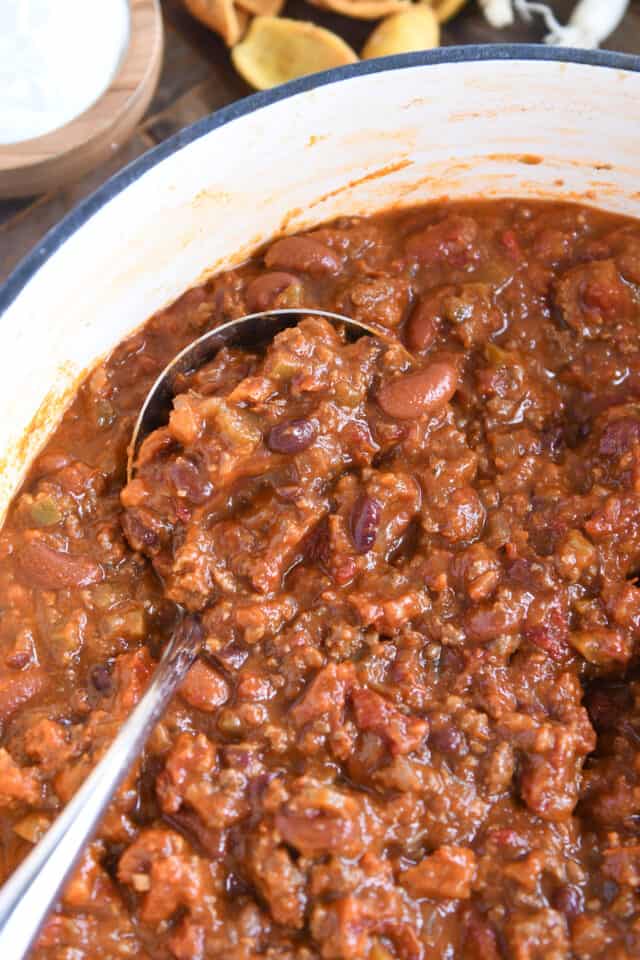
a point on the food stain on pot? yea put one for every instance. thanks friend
(417, 102)
(293, 218)
(463, 116)
(24, 450)
(314, 139)
(242, 254)
(528, 159)
(212, 196)
(378, 174)
(531, 159)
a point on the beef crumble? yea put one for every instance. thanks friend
(414, 731)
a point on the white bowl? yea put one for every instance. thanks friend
(455, 122)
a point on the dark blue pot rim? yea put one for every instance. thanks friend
(54, 239)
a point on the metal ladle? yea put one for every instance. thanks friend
(31, 892)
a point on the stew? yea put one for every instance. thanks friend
(414, 730)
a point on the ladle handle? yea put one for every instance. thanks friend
(31, 892)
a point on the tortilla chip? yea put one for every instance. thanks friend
(445, 9)
(363, 9)
(276, 49)
(413, 29)
(220, 16)
(262, 8)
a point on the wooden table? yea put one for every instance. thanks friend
(197, 79)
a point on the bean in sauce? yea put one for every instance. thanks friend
(292, 437)
(422, 393)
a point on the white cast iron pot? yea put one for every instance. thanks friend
(455, 122)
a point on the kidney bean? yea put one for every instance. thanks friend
(452, 239)
(552, 438)
(235, 886)
(231, 657)
(448, 739)
(416, 394)
(619, 436)
(204, 687)
(425, 320)
(292, 437)
(568, 900)
(262, 291)
(50, 462)
(101, 678)
(304, 254)
(365, 520)
(42, 566)
(18, 660)
(140, 535)
(189, 480)
(607, 704)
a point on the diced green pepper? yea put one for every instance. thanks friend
(285, 367)
(106, 595)
(45, 512)
(235, 425)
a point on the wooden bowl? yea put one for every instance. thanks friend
(46, 162)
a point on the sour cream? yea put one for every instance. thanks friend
(57, 57)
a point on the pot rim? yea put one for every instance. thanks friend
(90, 205)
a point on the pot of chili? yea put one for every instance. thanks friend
(414, 730)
